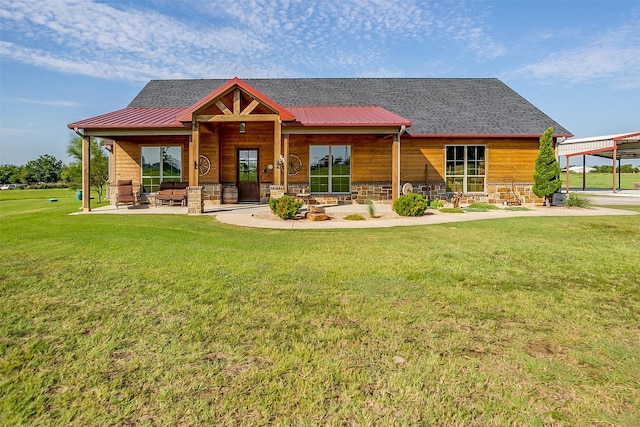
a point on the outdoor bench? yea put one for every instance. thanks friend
(172, 192)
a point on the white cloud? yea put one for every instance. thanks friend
(612, 56)
(50, 103)
(251, 38)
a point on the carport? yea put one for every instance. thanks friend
(614, 147)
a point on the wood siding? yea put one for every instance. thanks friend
(370, 155)
(422, 159)
(507, 159)
(127, 155)
(209, 146)
(259, 135)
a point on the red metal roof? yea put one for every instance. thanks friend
(133, 117)
(347, 116)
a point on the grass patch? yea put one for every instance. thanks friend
(452, 210)
(354, 217)
(600, 180)
(516, 208)
(170, 320)
(481, 207)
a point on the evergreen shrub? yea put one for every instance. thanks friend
(285, 207)
(436, 204)
(410, 205)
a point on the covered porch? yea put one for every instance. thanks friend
(237, 145)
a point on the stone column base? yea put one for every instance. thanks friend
(195, 201)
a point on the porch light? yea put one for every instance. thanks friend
(243, 127)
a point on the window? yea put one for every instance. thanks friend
(465, 168)
(330, 168)
(160, 164)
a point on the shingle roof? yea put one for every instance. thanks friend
(449, 106)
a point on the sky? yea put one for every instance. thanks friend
(66, 60)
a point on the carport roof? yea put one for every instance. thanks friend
(626, 146)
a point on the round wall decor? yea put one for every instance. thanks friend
(295, 164)
(204, 165)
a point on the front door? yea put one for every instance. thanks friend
(248, 185)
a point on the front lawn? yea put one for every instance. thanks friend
(180, 320)
(600, 180)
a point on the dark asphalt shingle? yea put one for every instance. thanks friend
(478, 106)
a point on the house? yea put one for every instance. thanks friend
(342, 139)
(580, 169)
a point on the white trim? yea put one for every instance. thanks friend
(465, 175)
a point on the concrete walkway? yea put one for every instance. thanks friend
(260, 216)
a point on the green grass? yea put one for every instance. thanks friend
(354, 217)
(180, 320)
(600, 180)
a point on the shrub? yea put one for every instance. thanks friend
(436, 204)
(410, 205)
(575, 200)
(371, 207)
(285, 207)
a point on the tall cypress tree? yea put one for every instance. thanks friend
(546, 178)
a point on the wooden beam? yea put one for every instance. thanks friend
(233, 118)
(236, 102)
(194, 154)
(111, 133)
(250, 108)
(277, 136)
(286, 163)
(395, 182)
(339, 130)
(223, 108)
(86, 174)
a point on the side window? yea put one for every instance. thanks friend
(330, 168)
(160, 164)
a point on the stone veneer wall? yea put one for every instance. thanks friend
(212, 194)
(497, 193)
(265, 192)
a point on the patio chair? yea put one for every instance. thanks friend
(126, 195)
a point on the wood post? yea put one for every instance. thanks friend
(395, 160)
(277, 151)
(86, 174)
(615, 154)
(194, 154)
(286, 163)
(566, 173)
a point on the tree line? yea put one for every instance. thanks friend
(46, 169)
(621, 169)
